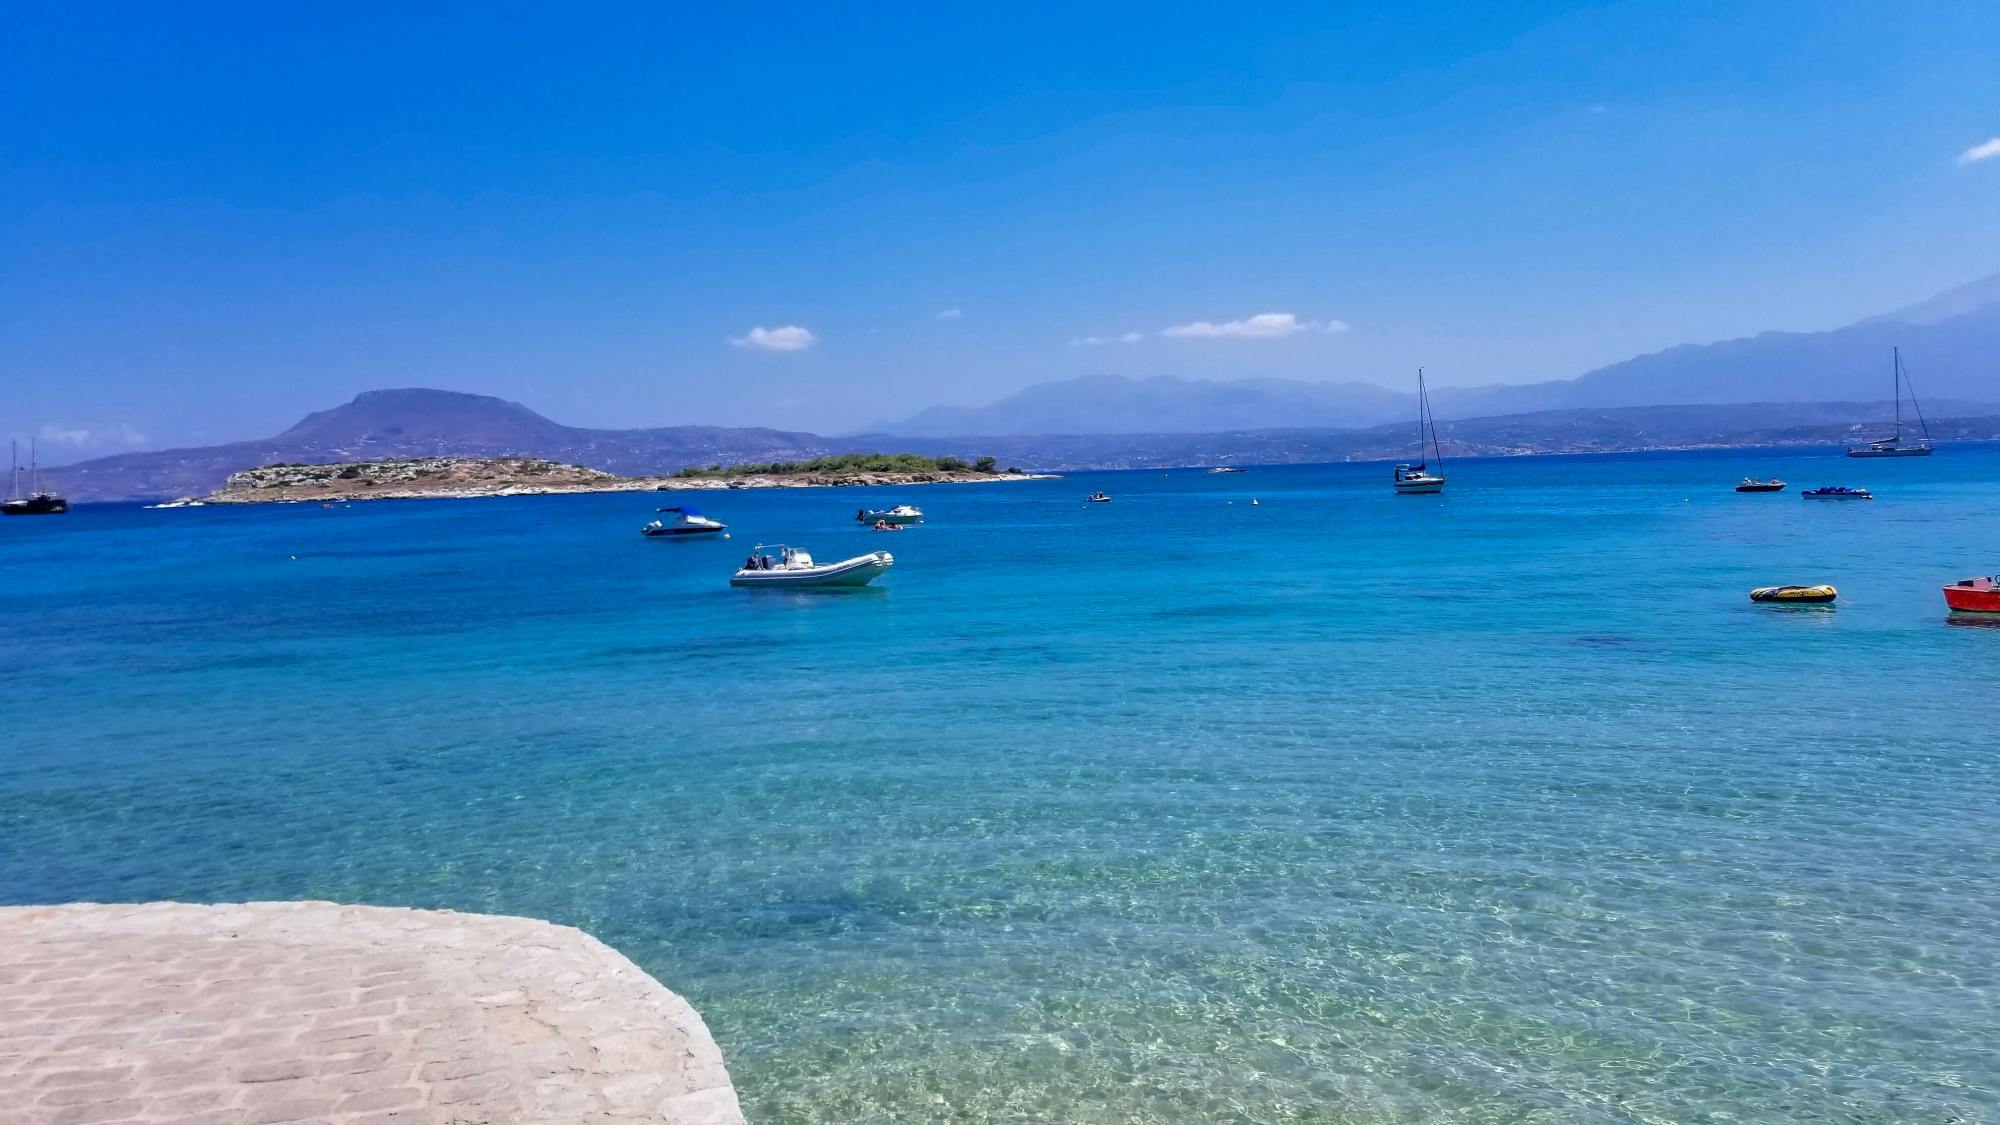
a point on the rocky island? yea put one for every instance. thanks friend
(432, 478)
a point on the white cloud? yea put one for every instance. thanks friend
(790, 338)
(65, 435)
(1096, 341)
(112, 437)
(1980, 152)
(1263, 326)
(950, 314)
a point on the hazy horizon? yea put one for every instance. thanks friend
(217, 222)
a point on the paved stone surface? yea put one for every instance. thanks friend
(310, 1011)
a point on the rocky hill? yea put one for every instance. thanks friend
(400, 424)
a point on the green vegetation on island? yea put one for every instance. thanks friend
(850, 463)
(440, 477)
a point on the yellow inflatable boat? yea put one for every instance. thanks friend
(1795, 595)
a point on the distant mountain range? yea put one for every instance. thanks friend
(427, 423)
(1612, 430)
(1951, 344)
(1766, 390)
(1115, 404)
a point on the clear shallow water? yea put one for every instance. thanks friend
(1504, 805)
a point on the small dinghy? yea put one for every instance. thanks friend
(1973, 595)
(1795, 595)
(793, 567)
(1098, 498)
(1752, 485)
(686, 521)
(1837, 493)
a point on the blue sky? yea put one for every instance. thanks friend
(214, 218)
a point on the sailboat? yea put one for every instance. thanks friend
(1893, 445)
(36, 502)
(1419, 477)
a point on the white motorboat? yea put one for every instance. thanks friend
(1225, 469)
(686, 521)
(1098, 498)
(794, 567)
(900, 514)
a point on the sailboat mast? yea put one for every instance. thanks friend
(1916, 406)
(1896, 355)
(1426, 418)
(1420, 417)
(34, 476)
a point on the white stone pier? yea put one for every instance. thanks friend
(272, 1012)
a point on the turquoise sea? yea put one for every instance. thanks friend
(1499, 806)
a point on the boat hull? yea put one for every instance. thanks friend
(1760, 488)
(1899, 451)
(678, 532)
(849, 573)
(1419, 487)
(1837, 495)
(1974, 595)
(35, 506)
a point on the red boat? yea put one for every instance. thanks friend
(1973, 595)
